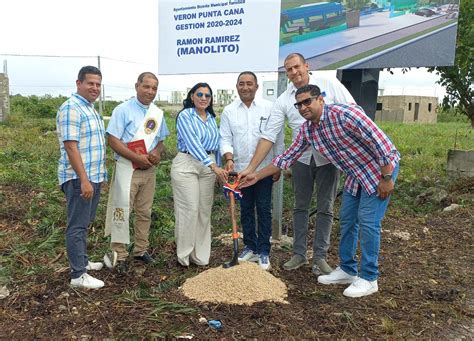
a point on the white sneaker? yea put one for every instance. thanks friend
(87, 281)
(338, 276)
(94, 266)
(110, 259)
(361, 287)
(264, 262)
(247, 255)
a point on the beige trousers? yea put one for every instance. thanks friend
(142, 190)
(193, 192)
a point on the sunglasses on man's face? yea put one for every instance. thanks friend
(306, 102)
(200, 94)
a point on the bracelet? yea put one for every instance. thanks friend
(229, 160)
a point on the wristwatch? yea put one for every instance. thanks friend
(387, 177)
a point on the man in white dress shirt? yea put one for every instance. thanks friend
(242, 123)
(311, 169)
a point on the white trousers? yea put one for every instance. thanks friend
(193, 192)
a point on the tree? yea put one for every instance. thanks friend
(459, 79)
(353, 13)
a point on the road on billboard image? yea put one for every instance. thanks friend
(324, 33)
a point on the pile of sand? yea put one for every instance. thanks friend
(245, 283)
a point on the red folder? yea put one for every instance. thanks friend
(138, 147)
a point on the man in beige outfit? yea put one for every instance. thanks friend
(131, 121)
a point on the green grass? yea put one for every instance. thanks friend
(28, 166)
(424, 149)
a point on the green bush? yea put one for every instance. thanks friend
(47, 106)
(34, 106)
(451, 115)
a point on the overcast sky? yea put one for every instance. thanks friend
(125, 34)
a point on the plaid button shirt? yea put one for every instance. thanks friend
(77, 120)
(348, 138)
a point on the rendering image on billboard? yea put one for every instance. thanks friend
(362, 34)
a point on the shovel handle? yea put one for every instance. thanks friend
(235, 233)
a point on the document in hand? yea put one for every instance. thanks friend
(138, 147)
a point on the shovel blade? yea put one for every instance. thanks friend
(234, 261)
(235, 258)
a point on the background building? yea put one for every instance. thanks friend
(177, 97)
(407, 109)
(269, 90)
(223, 97)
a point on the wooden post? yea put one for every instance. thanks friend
(101, 102)
(278, 186)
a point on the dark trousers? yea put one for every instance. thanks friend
(305, 178)
(259, 197)
(80, 213)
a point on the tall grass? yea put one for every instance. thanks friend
(424, 149)
(28, 166)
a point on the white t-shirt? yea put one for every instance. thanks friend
(334, 92)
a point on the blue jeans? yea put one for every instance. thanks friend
(362, 214)
(258, 196)
(80, 213)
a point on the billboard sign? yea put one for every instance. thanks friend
(206, 36)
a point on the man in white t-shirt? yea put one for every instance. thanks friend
(311, 169)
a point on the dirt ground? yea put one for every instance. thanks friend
(425, 291)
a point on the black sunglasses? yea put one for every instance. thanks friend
(306, 102)
(200, 94)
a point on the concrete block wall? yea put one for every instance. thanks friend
(389, 115)
(405, 106)
(4, 97)
(460, 163)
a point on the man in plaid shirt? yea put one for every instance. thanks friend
(355, 145)
(81, 170)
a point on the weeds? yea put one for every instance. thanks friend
(31, 166)
(53, 239)
(318, 295)
(32, 207)
(158, 305)
(169, 284)
(388, 325)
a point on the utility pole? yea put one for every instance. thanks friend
(363, 84)
(277, 211)
(101, 103)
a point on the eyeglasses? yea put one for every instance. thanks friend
(200, 94)
(306, 102)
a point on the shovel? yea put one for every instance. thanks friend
(233, 183)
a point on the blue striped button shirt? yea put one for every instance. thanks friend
(77, 120)
(196, 136)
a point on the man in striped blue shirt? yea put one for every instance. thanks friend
(81, 170)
